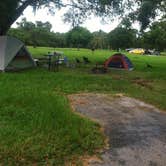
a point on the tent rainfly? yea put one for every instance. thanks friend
(14, 55)
(119, 61)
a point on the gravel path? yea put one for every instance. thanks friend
(136, 131)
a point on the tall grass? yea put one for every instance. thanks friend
(37, 125)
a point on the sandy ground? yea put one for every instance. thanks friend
(136, 131)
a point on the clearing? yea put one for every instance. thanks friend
(136, 131)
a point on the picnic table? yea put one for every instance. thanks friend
(54, 59)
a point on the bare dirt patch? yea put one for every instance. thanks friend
(143, 83)
(136, 131)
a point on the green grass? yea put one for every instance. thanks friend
(37, 124)
(145, 83)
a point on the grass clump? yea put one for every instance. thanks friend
(37, 122)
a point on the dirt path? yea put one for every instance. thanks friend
(136, 131)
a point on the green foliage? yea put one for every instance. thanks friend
(122, 38)
(156, 37)
(26, 25)
(37, 122)
(78, 37)
(80, 10)
(99, 40)
(79, 80)
(11, 10)
(39, 34)
(74, 17)
(44, 26)
(35, 115)
(148, 11)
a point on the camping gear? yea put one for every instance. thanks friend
(65, 60)
(77, 61)
(119, 61)
(85, 60)
(14, 55)
(53, 60)
(137, 51)
(98, 69)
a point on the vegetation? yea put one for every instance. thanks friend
(38, 34)
(124, 36)
(36, 118)
(156, 37)
(78, 37)
(141, 10)
(143, 82)
(37, 121)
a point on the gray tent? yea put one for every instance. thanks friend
(14, 55)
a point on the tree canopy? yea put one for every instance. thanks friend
(141, 10)
(156, 36)
(99, 40)
(78, 37)
(124, 36)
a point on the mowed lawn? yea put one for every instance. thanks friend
(37, 124)
(145, 83)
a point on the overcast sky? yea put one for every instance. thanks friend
(94, 24)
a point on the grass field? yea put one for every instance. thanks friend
(36, 118)
(145, 83)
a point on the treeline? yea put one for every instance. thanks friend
(40, 34)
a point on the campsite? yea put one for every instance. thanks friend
(39, 105)
(82, 83)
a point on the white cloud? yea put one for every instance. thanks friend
(93, 24)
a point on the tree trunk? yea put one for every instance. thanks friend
(4, 29)
(12, 18)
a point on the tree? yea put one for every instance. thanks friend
(38, 34)
(126, 23)
(46, 26)
(99, 40)
(74, 17)
(20, 34)
(122, 38)
(148, 11)
(26, 25)
(10, 10)
(155, 38)
(78, 37)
